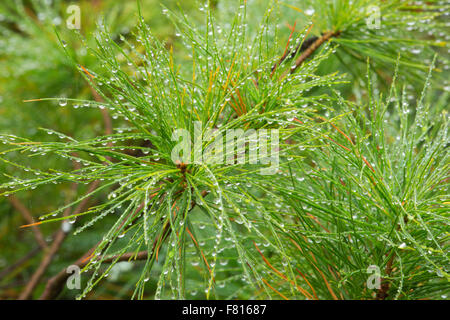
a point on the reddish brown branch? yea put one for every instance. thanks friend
(291, 54)
(20, 262)
(60, 234)
(311, 49)
(108, 123)
(383, 292)
(57, 242)
(54, 248)
(29, 219)
(106, 118)
(56, 284)
(37, 275)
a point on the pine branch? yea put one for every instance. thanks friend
(292, 53)
(56, 284)
(29, 219)
(340, 182)
(53, 250)
(310, 49)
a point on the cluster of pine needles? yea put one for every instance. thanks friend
(362, 182)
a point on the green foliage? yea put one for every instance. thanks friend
(363, 174)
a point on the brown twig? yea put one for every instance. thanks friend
(106, 118)
(311, 49)
(29, 219)
(54, 248)
(56, 284)
(61, 234)
(37, 275)
(383, 292)
(49, 255)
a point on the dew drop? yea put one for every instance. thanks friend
(63, 102)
